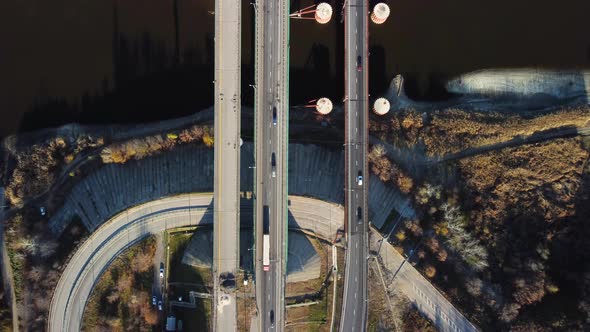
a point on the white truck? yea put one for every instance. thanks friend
(265, 252)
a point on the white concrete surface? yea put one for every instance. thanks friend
(227, 101)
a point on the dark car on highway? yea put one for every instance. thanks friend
(274, 116)
(359, 63)
(272, 318)
(273, 164)
(359, 213)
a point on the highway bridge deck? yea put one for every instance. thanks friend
(227, 158)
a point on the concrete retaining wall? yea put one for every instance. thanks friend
(313, 171)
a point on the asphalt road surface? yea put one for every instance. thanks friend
(271, 157)
(354, 307)
(110, 240)
(159, 285)
(227, 158)
(128, 227)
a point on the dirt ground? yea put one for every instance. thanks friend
(380, 315)
(314, 317)
(324, 250)
(246, 302)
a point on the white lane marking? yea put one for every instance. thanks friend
(356, 279)
(356, 129)
(355, 295)
(357, 245)
(356, 162)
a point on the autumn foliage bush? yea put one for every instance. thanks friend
(140, 148)
(37, 166)
(121, 299)
(387, 171)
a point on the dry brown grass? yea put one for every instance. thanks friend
(300, 319)
(403, 128)
(122, 296)
(455, 130)
(380, 314)
(246, 310)
(542, 179)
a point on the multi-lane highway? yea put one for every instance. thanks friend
(354, 307)
(271, 157)
(227, 159)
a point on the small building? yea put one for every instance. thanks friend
(171, 323)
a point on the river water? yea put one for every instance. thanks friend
(110, 61)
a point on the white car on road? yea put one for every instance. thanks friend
(359, 179)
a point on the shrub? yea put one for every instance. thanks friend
(208, 138)
(140, 148)
(401, 235)
(430, 271)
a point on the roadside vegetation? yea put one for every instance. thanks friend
(140, 148)
(503, 233)
(451, 130)
(389, 310)
(63, 160)
(387, 171)
(5, 313)
(39, 172)
(37, 166)
(121, 299)
(37, 260)
(245, 301)
(182, 279)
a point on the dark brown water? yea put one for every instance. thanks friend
(108, 61)
(431, 39)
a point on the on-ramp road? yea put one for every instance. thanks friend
(129, 227)
(111, 239)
